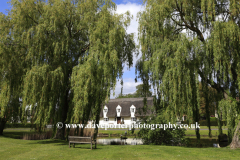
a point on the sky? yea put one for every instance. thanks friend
(134, 6)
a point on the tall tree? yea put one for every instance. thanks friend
(11, 70)
(72, 52)
(187, 41)
(140, 92)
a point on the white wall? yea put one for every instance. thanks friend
(127, 120)
(111, 121)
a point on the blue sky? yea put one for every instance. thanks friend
(134, 6)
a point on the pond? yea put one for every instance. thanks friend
(118, 141)
(138, 141)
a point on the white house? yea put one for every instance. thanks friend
(124, 111)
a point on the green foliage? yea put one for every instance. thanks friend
(127, 95)
(62, 57)
(213, 119)
(140, 92)
(176, 63)
(231, 112)
(11, 70)
(159, 136)
(132, 130)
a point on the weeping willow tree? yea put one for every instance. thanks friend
(185, 42)
(11, 70)
(70, 54)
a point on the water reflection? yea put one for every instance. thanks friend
(118, 141)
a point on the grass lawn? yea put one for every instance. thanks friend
(57, 149)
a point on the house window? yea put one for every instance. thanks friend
(105, 110)
(132, 110)
(118, 110)
(106, 119)
(133, 119)
(122, 119)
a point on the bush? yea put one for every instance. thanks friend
(159, 136)
(224, 123)
(213, 119)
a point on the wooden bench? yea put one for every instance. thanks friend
(81, 140)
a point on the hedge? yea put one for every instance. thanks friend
(19, 125)
(204, 123)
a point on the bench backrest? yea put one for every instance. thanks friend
(79, 139)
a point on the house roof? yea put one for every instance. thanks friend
(126, 103)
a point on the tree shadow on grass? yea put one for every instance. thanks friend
(85, 146)
(49, 141)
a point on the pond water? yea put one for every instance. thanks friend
(138, 141)
(118, 141)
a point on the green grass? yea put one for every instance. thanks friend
(57, 149)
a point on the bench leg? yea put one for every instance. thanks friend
(73, 145)
(95, 144)
(69, 145)
(91, 145)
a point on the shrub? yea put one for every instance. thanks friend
(159, 136)
(19, 125)
(213, 119)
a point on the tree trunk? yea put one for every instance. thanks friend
(64, 114)
(82, 129)
(235, 141)
(61, 132)
(2, 125)
(97, 121)
(207, 112)
(195, 104)
(219, 120)
(96, 127)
